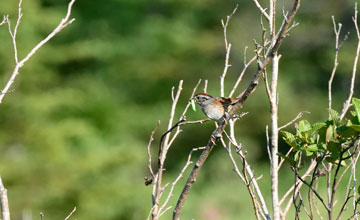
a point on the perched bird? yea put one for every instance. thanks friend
(214, 108)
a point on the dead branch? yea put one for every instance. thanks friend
(347, 103)
(337, 31)
(71, 213)
(18, 64)
(4, 203)
(227, 50)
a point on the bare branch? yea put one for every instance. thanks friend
(241, 75)
(314, 191)
(4, 203)
(292, 121)
(5, 20)
(227, 49)
(354, 181)
(181, 174)
(71, 213)
(41, 216)
(298, 184)
(163, 149)
(262, 10)
(182, 117)
(336, 63)
(63, 23)
(244, 178)
(219, 130)
(205, 86)
(269, 56)
(268, 143)
(347, 103)
(171, 119)
(282, 160)
(247, 171)
(192, 177)
(151, 139)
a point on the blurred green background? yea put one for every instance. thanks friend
(74, 131)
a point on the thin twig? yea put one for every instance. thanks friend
(71, 213)
(192, 95)
(236, 168)
(314, 191)
(292, 121)
(344, 172)
(165, 142)
(347, 103)
(163, 149)
(227, 49)
(41, 216)
(63, 23)
(5, 20)
(262, 10)
(151, 139)
(354, 181)
(268, 143)
(263, 211)
(181, 174)
(205, 85)
(315, 204)
(282, 160)
(241, 75)
(336, 63)
(305, 175)
(4, 203)
(219, 130)
(328, 182)
(243, 175)
(347, 198)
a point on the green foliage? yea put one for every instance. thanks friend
(324, 141)
(74, 131)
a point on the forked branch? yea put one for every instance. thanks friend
(18, 64)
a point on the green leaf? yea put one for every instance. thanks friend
(356, 103)
(309, 153)
(289, 138)
(313, 148)
(334, 147)
(346, 131)
(304, 125)
(355, 127)
(316, 127)
(322, 134)
(322, 147)
(334, 115)
(343, 163)
(329, 134)
(296, 156)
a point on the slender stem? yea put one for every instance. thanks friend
(63, 23)
(348, 101)
(163, 149)
(336, 63)
(246, 166)
(274, 139)
(71, 213)
(4, 203)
